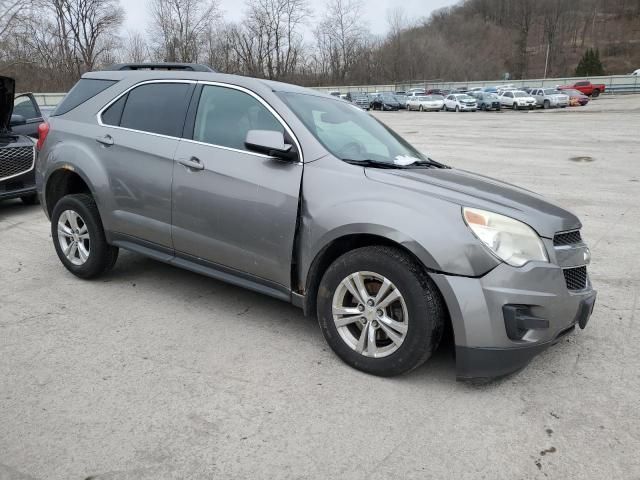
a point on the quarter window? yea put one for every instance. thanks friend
(154, 107)
(225, 115)
(24, 106)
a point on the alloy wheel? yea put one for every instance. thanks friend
(73, 237)
(370, 314)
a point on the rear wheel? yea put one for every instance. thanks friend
(596, 93)
(78, 237)
(546, 104)
(379, 311)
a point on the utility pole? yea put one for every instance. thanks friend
(546, 62)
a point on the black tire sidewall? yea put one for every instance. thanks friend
(100, 258)
(424, 326)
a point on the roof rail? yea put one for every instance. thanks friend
(191, 67)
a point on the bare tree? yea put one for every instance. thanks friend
(179, 27)
(340, 35)
(9, 10)
(84, 29)
(135, 48)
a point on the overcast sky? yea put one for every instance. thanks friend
(137, 17)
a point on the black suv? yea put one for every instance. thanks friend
(20, 118)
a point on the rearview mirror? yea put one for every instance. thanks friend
(270, 142)
(17, 120)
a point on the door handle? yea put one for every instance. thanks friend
(192, 163)
(107, 140)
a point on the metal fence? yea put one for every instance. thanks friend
(613, 84)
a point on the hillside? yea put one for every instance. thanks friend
(484, 39)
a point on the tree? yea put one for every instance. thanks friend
(590, 64)
(9, 11)
(340, 36)
(179, 27)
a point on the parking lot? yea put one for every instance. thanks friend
(154, 372)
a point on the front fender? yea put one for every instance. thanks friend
(431, 228)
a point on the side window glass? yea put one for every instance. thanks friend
(113, 114)
(157, 108)
(225, 115)
(25, 107)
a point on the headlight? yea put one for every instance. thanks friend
(512, 241)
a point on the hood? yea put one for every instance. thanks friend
(473, 190)
(7, 92)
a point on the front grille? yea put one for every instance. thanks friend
(15, 160)
(567, 238)
(576, 278)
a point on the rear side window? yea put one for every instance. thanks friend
(113, 114)
(155, 108)
(82, 91)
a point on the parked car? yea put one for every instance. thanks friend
(426, 103)
(385, 101)
(635, 73)
(436, 91)
(490, 89)
(460, 102)
(167, 164)
(402, 100)
(576, 98)
(335, 93)
(487, 101)
(517, 99)
(419, 91)
(549, 98)
(18, 124)
(586, 87)
(362, 100)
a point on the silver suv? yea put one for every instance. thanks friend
(305, 197)
(550, 98)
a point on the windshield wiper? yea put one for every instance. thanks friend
(373, 163)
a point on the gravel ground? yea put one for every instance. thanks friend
(157, 373)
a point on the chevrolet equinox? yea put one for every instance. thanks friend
(307, 198)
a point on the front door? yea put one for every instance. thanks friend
(137, 141)
(232, 207)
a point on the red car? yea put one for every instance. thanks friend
(585, 87)
(576, 98)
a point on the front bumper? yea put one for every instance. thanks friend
(486, 345)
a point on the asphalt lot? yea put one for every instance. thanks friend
(155, 373)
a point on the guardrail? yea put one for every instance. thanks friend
(614, 84)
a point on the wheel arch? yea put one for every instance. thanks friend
(339, 245)
(63, 181)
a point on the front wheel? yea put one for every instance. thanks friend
(379, 311)
(78, 237)
(515, 106)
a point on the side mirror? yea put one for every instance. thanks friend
(270, 142)
(17, 120)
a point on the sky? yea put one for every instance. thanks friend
(375, 11)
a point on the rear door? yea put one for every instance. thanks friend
(232, 207)
(26, 106)
(139, 136)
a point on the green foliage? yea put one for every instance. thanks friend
(590, 64)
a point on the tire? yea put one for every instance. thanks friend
(444, 108)
(421, 109)
(515, 106)
(595, 93)
(546, 104)
(457, 109)
(29, 199)
(421, 302)
(100, 256)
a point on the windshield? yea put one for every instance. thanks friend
(519, 94)
(551, 91)
(348, 132)
(466, 98)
